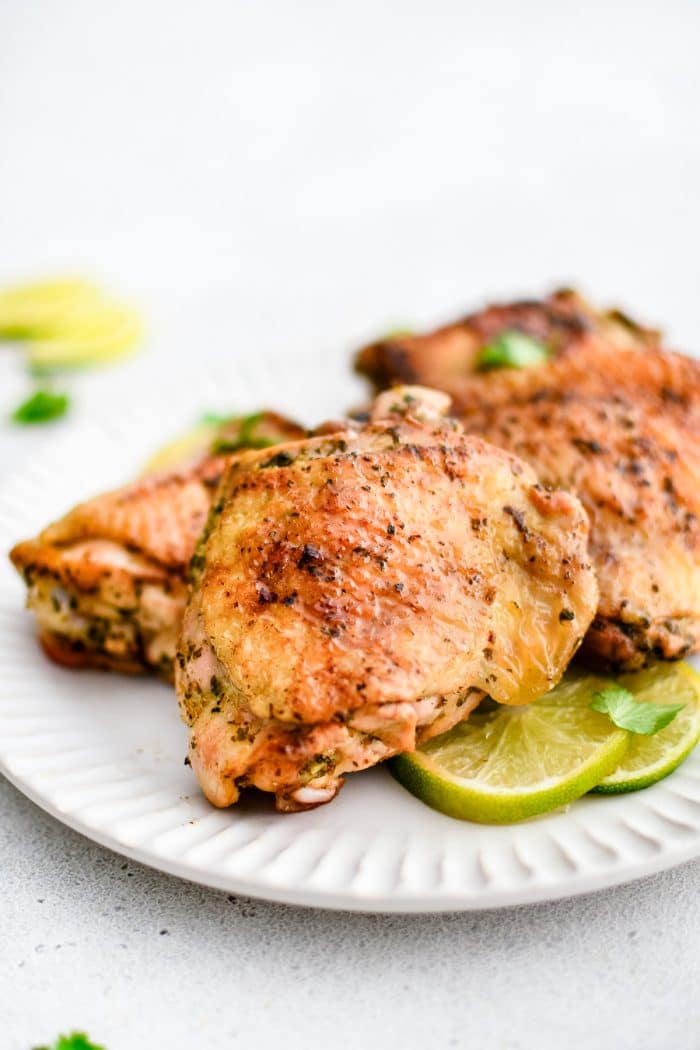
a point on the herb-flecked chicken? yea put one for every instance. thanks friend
(613, 418)
(564, 322)
(358, 592)
(108, 582)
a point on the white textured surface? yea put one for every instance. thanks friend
(302, 175)
(82, 944)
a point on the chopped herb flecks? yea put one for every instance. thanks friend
(246, 436)
(282, 459)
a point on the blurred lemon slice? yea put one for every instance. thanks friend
(33, 309)
(94, 335)
(67, 323)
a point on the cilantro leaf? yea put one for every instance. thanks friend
(634, 715)
(75, 1041)
(41, 407)
(512, 349)
(246, 437)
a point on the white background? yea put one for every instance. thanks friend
(299, 176)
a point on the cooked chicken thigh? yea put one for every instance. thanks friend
(617, 422)
(359, 592)
(107, 583)
(633, 458)
(564, 321)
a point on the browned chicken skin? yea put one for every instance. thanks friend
(358, 592)
(615, 419)
(107, 582)
(564, 321)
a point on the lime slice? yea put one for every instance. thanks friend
(90, 334)
(508, 763)
(34, 310)
(176, 453)
(651, 758)
(221, 434)
(67, 324)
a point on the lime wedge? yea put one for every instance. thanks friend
(508, 763)
(651, 758)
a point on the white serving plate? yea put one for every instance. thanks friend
(104, 754)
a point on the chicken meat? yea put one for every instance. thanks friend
(358, 592)
(565, 322)
(108, 582)
(615, 419)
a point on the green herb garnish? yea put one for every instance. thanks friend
(245, 438)
(633, 715)
(215, 418)
(76, 1041)
(512, 349)
(41, 407)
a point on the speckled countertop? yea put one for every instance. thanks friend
(141, 959)
(303, 176)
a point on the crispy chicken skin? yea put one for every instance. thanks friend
(616, 420)
(358, 592)
(107, 583)
(565, 321)
(627, 442)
